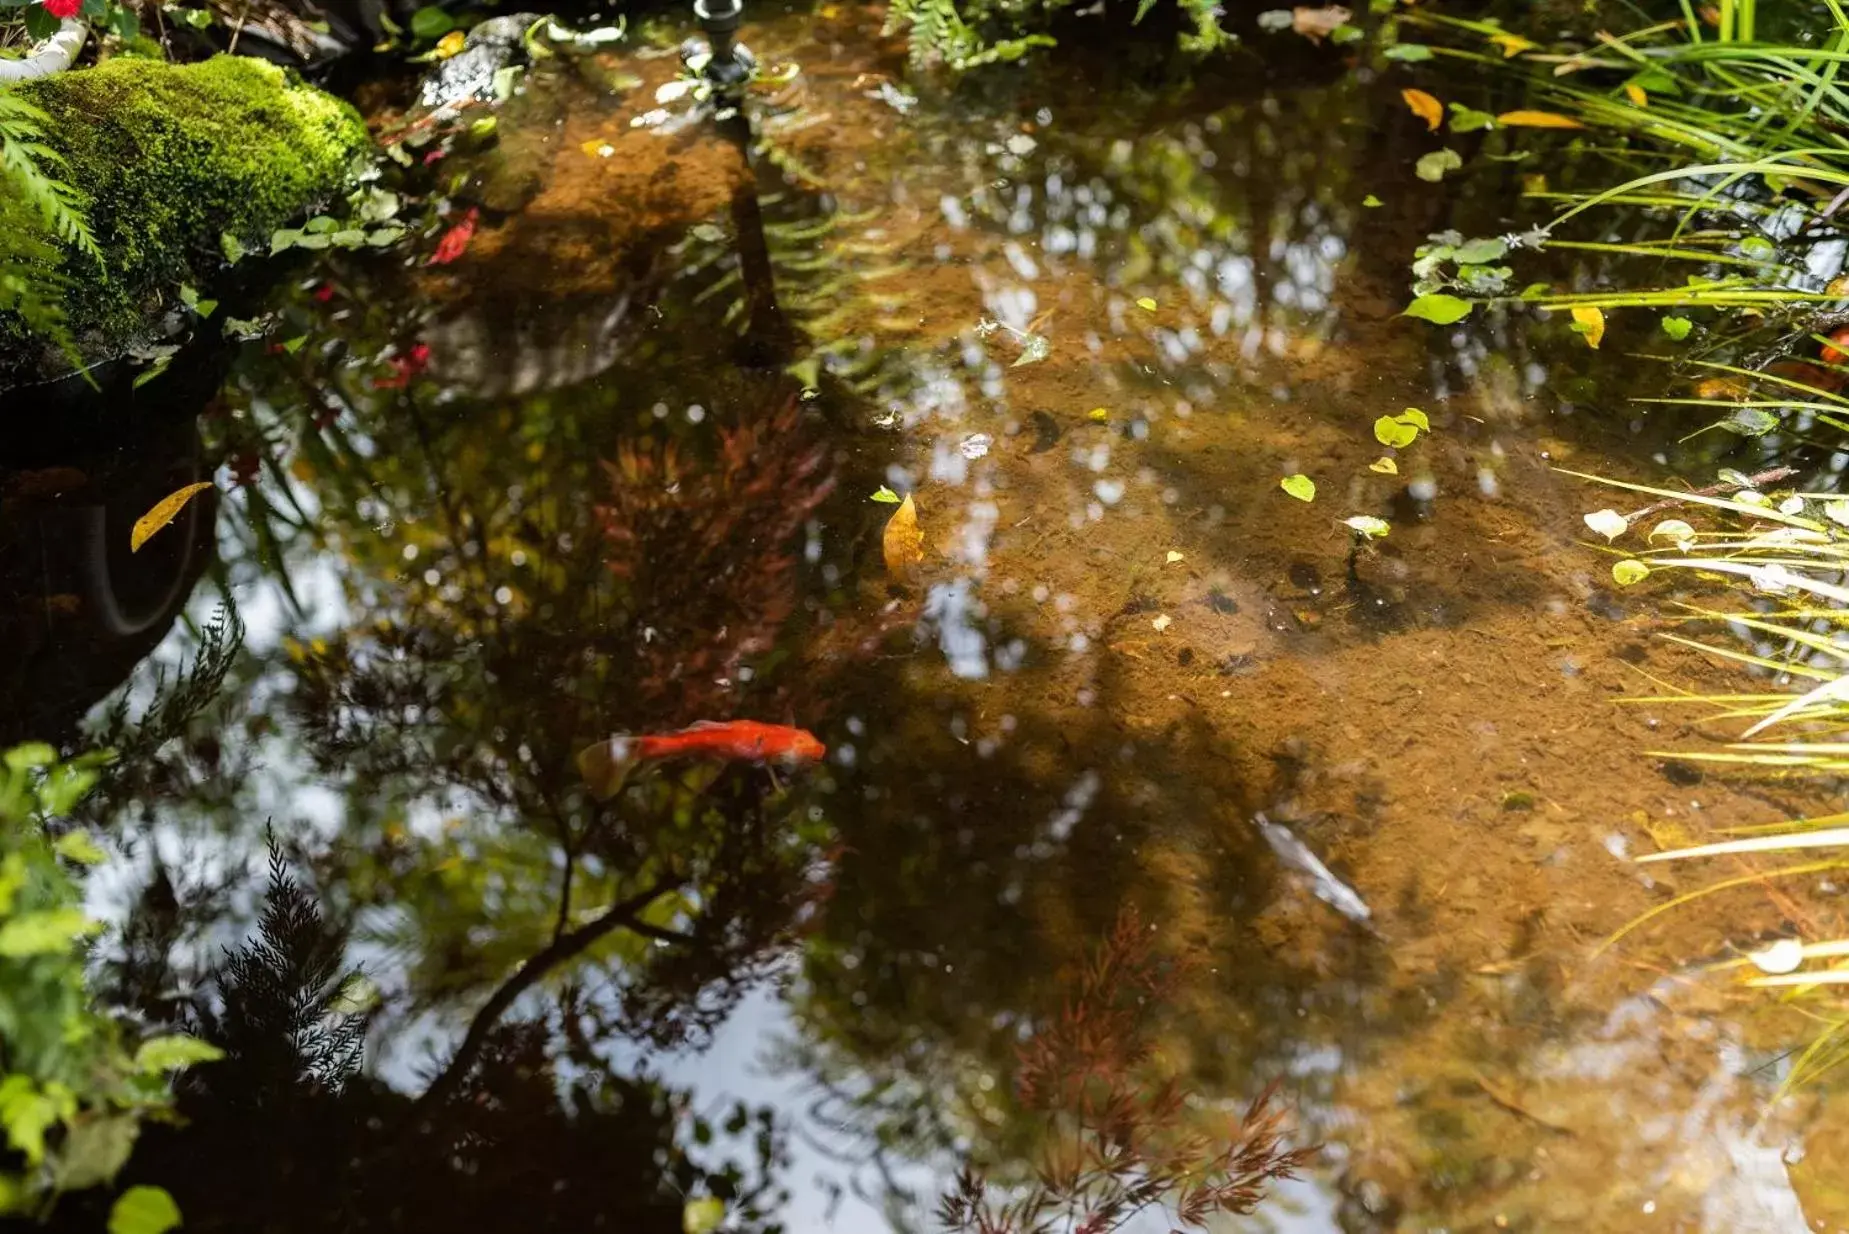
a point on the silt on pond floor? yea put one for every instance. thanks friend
(569, 484)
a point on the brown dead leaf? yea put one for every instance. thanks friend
(164, 512)
(1318, 24)
(902, 544)
(1425, 107)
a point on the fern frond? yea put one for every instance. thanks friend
(27, 165)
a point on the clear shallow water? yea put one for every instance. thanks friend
(594, 505)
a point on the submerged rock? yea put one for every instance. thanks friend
(491, 46)
(172, 158)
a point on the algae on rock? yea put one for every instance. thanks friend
(172, 157)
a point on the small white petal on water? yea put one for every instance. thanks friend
(975, 445)
(1162, 623)
(1608, 523)
(1784, 956)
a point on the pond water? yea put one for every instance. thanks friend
(599, 474)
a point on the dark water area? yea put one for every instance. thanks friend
(609, 471)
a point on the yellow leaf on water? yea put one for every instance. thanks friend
(164, 512)
(1173, 557)
(1635, 93)
(1147, 304)
(449, 44)
(902, 544)
(1425, 107)
(1537, 120)
(1385, 466)
(1591, 323)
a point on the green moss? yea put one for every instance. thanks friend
(171, 156)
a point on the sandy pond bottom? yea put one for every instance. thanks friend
(1125, 640)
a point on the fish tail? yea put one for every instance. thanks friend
(605, 765)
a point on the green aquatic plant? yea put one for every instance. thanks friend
(1728, 151)
(1786, 553)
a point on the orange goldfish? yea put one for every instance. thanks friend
(606, 764)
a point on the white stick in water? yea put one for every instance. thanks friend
(1328, 888)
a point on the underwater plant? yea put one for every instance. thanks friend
(1118, 1143)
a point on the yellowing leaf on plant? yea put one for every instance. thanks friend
(1299, 486)
(1384, 466)
(902, 543)
(164, 512)
(1590, 322)
(1635, 93)
(1512, 44)
(1630, 571)
(1425, 107)
(1369, 526)
(1608, 523)
(1538, 120)
(1147, 304)
(1172, 557)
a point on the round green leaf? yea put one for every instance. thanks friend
(1394, 431)
(1369, 526)
(1676, 328)
(1299, 486)
(1630, 571)
(143, 1210)
(1432, 167)
(431, 22)
(1439, 309)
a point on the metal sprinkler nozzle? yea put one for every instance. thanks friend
(729, 64)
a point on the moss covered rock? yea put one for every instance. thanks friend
(172, 157)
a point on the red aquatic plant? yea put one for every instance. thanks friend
(1117, 1145)
(706, 552)
(455, 241)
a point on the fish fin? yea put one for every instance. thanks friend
(605, 765)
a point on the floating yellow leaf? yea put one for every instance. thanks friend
(1162, 622)
(1512, 44)
(1721, 387)
(903, 542)
(1635, 93)
(1299, 486)
(449, 44)
(163, 513)
(1147, 304)
(1369, 526)
(1425, 107)
(1538, 120)
(1590, 322)
(1098, 415)
(1385, 466)
(1173, 557)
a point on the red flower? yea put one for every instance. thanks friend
(455, 241)
(407, 366)
(63, 10)
(325, 292)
